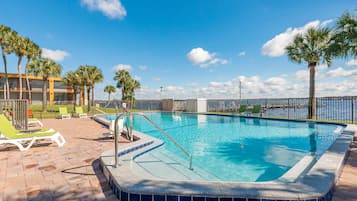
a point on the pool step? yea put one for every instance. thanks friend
(163, 164)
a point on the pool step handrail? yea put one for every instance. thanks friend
(168, 136)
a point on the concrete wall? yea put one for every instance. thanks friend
(201, 105)
(167, 104)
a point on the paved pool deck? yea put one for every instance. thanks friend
(71, 172)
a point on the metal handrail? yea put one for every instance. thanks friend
(168, 136)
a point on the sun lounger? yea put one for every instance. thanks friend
(79, 112)
(63, 113)
(10, 135)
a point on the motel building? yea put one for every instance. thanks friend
(57, 91)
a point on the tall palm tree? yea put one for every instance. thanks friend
(312, 48)
(19, 45)
(32, 51)
(45, 68)
(6, 48)
(95, 76)
(123, 77)
(345, 38)
(127, 85)
(133, 85)
(109, 89)
(73, 80)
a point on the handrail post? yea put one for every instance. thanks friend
(116, 140)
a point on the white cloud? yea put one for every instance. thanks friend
(352, 62)
(143, 67)
(304, 74)
(275, 81)
(55, 55)
(340, 72)
(242, 53)
(201, 57)
(110, 8)
(301, 75)
(118, 67)
(156, 79)
(137, 78)
(275, 47)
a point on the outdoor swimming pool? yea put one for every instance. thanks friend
(236, 149)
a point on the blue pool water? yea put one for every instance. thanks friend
(239, 148)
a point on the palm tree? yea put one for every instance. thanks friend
(127, 85)
(109, 89)
(95, 75)
(133, 84)
(123, 77)
(6, 48)
(19, 45)
(45, 68)
(312, 48)
(90, 75)
(73, 80)
(32, 51)
(345, 37)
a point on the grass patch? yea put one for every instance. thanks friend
(52, 111)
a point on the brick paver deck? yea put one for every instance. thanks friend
(48, 172)
(71, 172)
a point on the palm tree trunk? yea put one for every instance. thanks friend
(7, 88)
(74, 98)
(88, 98)
(28, 81)
(312, 101)
(92, 88)
(44, 94)
(20, 76)
(108, 97)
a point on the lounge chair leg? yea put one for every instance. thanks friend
(59, 139)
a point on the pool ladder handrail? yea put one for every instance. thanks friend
(168, 136)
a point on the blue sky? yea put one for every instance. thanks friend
(193, 48)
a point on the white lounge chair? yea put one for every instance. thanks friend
(112, 127)
(10, 135)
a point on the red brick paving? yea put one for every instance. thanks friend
(48, 172)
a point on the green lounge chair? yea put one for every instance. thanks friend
(79, 112)
(63, 113)
(10, 135)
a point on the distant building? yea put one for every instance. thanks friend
(57, 92)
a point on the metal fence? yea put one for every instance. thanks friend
(16, 110)
(341, 109)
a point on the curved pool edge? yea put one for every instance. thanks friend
(317, 183)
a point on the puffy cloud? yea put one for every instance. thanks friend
(301, 75)
(242, 53)
(201, 57)
(55, 55)
(340, 72)
(352, 62)
(304, 74)
(118, 67)
(110, 8)
(143, 67)
(275, 81)
(275, 47)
